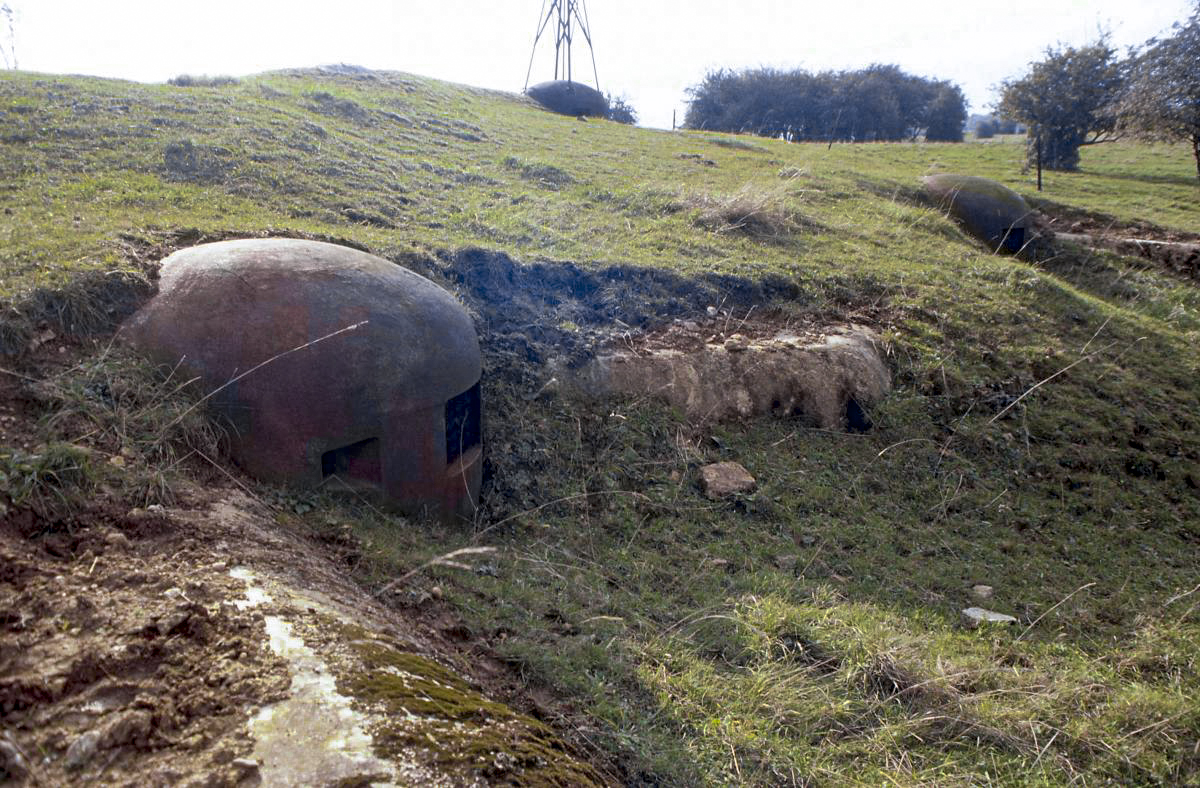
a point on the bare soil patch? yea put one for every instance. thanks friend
(122, 660)
(127, 659)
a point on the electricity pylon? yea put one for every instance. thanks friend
(567, 16)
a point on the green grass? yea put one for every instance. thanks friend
(806, 633)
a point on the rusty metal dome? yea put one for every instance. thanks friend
(569, 98)
(364, 373)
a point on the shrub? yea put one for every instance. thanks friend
(621, 111)
(201, 81)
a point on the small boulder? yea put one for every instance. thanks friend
(787, 563)
(981, 591)
(722, 479)
(737, 343)
(134, 727)
(13, 764)
(975, 617)
(82, 750)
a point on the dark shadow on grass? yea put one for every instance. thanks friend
(1159, 180)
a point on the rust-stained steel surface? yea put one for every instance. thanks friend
(569, 98)
(368, 407)
(990, 211)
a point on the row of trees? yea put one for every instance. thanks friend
(1081, 96)
(875, 104)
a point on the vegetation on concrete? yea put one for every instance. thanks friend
(1042, 438)
(429, 711)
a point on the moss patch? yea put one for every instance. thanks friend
(435, 715)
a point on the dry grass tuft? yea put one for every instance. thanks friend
(91, 303)
(762, 214)
(111, 420)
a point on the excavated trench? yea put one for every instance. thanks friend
(1180, 257)
(1174, 251)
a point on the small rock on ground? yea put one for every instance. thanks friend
(723, 479)
(981, 591)
(787, 562)
(975, 617)
(82, 750)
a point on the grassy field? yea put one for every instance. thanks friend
(1043, 438)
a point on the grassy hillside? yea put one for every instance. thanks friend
(1043, 437)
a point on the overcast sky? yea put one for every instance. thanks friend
(649, 51)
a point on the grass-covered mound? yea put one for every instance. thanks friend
(1043, 437)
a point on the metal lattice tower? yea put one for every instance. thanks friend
(567, 15)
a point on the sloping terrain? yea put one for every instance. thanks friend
(1042, 438)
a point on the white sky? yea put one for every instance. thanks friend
(650, 51)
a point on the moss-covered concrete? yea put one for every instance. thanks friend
(425, 710)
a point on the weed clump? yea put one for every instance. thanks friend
(112, 419)
(761, 214)
(325, 103)
(542, 174)
(44, 478)
(186, 161)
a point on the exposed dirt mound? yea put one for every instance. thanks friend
(121, 666)
(531, 313)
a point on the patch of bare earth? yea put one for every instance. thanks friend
(123, 660)
(191, 646)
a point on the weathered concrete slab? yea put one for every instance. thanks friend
(829, 381)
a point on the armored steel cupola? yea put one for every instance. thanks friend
(365, 374)
(988, 210)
